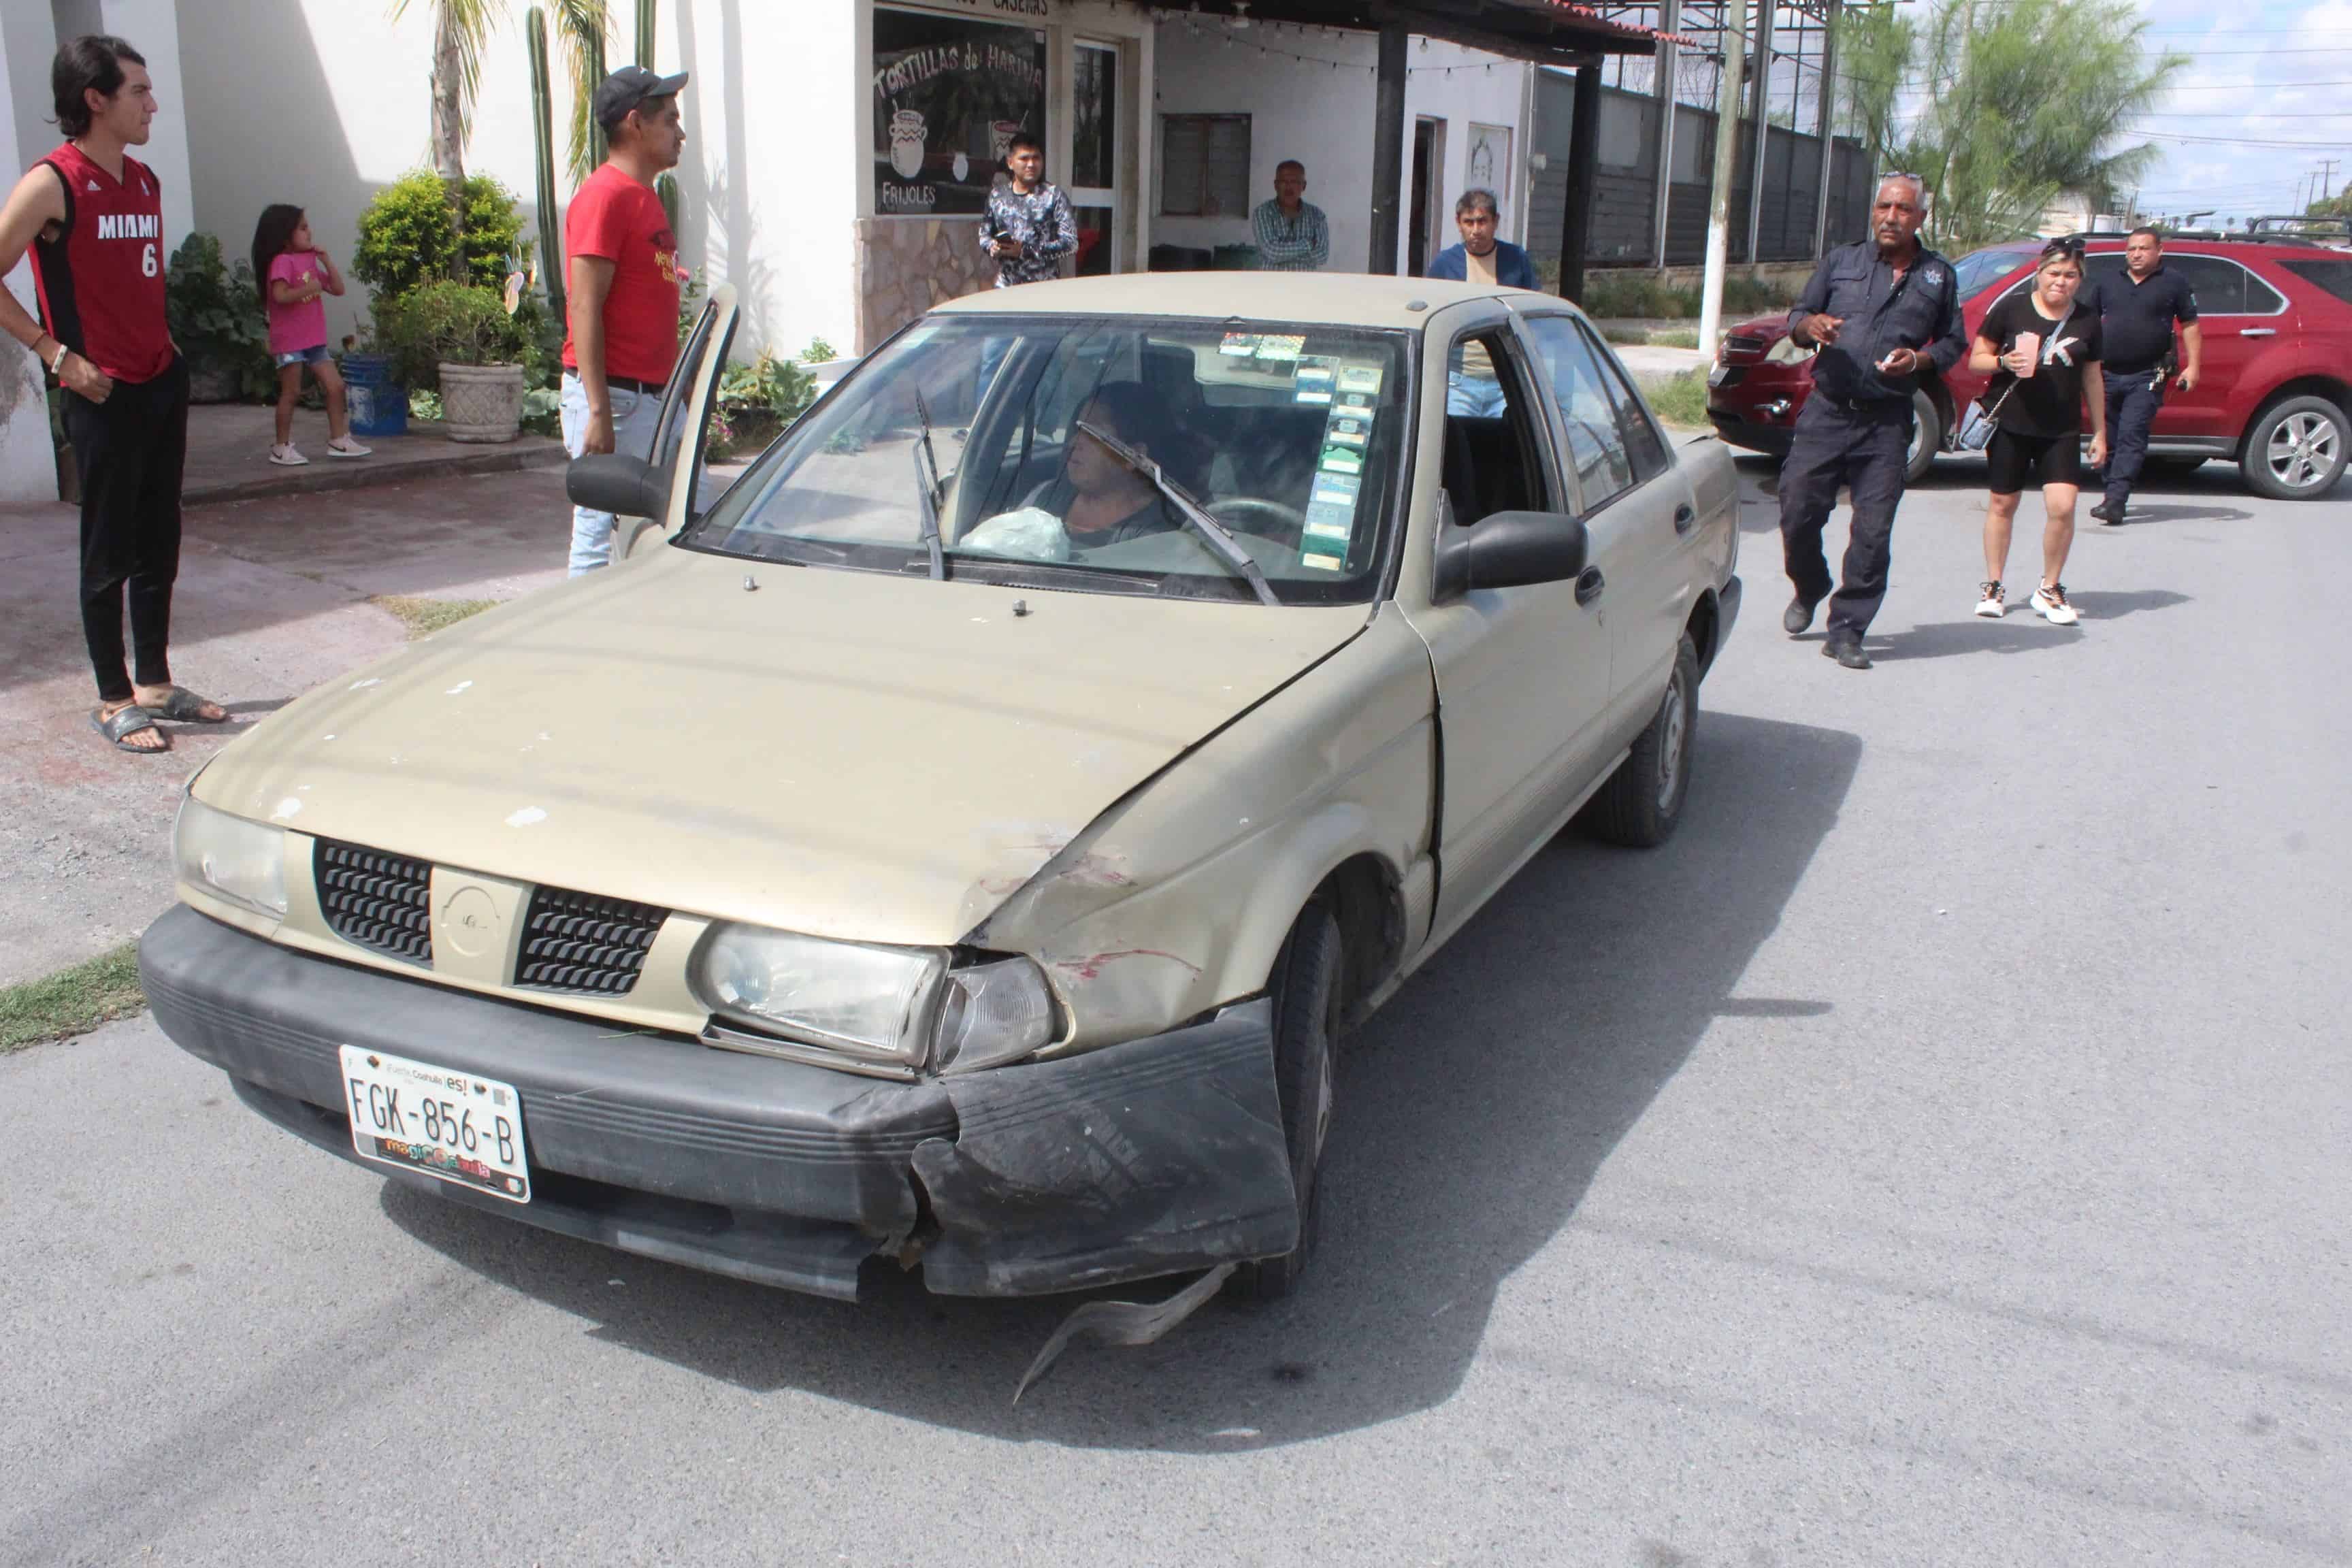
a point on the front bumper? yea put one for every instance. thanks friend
(1139, 1159)
(1738, 429)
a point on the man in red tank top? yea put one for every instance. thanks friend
(93, 217)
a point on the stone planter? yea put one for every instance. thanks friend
(482, 402)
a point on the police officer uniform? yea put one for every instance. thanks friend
(1856, 427)
(2137, 316)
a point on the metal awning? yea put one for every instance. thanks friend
(1549, 32)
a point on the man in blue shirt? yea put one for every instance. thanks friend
(1481, 258)
(1886, 315)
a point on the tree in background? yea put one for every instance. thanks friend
(2001, 105)
(2331, 206)
(460, 28)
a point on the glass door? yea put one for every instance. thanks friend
(1094, 168)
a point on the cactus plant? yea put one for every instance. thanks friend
(645, 33)
(543, 133)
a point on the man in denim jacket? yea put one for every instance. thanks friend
(1885, 315)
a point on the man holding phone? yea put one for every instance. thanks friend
(1884, 314)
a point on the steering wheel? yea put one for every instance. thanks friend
(1288, 519)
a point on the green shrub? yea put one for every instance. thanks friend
(445, 321)
(214, 312)
(1679, 400)
(408, 236)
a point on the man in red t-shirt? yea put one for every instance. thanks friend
(621, 266)
(93, 217)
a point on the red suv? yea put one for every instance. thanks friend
(2275, 396)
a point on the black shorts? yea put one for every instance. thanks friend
(2013, 458)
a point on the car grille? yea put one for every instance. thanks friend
(581, 942)
(380, 902)
(1730, 375)
(1736, 347)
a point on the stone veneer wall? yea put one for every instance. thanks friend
(906, 265)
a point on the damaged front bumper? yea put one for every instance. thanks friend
(1145, 1158)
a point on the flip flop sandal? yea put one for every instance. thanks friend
(183, 706)
(127, 721)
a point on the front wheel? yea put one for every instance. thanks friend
(1926, 437)
(1305, 985)
(1642, 800)
(2295, 449)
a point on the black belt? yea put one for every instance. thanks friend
(631, 384)
(1872, 407)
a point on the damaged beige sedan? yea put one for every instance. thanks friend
(963, 842)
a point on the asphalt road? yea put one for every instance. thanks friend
(1939, 1154)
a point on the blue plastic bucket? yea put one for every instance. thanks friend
(379, 405)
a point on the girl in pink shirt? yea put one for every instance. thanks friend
(293, 274)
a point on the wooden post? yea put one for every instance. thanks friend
(1388, 148)
(1583, 166)
(1726, 151)
(1662, 195)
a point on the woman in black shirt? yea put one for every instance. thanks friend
(2046, 349)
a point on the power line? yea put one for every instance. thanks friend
(2238, 140)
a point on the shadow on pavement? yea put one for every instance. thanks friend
(1473, 1113)
(2138, 514)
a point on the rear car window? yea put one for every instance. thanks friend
(2224, 287)
(2335, 277)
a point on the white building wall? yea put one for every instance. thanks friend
(324, 103)
(29, 469)
(1319, 111)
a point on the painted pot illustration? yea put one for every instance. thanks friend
(1000, 138)
(960, 168)
(906, 136)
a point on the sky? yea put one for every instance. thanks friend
(2265, 100)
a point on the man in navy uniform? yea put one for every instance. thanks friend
(1886, 315)
(2139, 307)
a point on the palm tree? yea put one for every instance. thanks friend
(1999, 105)
(460, 28)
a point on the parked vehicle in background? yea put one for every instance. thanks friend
(2275, 398)
(964, 841)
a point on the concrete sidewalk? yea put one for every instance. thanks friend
(228, 455)
(272, 599)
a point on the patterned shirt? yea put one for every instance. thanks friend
(1288, 242)
(1041, 221)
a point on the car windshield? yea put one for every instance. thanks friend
(1979, 269)
(968, 447)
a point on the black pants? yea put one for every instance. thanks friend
(129, 451)
(2132, 402)
(1868, 450)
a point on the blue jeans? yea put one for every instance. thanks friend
(1479, 398)
(2132, 405)
(634, 414)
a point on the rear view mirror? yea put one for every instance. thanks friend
(608, 481)
(1508, 550)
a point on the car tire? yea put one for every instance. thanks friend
(1305, 986)
(1926, 437)
(2295, 449)
(1643, 801)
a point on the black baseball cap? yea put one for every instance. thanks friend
(628, 87)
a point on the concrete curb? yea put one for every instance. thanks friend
(362, 475)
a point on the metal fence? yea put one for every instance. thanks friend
(1625, 185)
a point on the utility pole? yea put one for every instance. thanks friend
(2327, 180)
(1726, 152)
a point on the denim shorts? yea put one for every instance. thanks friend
(316, 354)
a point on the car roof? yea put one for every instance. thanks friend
(2188, 245)
(1332, 299)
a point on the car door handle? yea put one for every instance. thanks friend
(2257, 332)
(1588, 585)
(1685, 517)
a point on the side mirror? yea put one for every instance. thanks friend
(1508, 550)
(608, 481)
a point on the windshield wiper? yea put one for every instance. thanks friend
(1221, 545)
(928, 486)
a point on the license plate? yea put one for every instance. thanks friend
(1715, 377)
(444, 1123)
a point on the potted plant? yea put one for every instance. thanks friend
(458, 339)
(410, 238)
(216, 317)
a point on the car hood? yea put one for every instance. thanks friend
(847, 754)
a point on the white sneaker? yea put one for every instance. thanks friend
(344, 447)
(285, 457)
(1990, 605)
(2050, 603)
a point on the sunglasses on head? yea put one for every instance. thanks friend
(2070, 247)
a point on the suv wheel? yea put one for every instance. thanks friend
(1642, 800)
(2295, 449)
(1926, 437)
(1306, 985)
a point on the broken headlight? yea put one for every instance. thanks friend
(893, 1006)
(243, 862)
